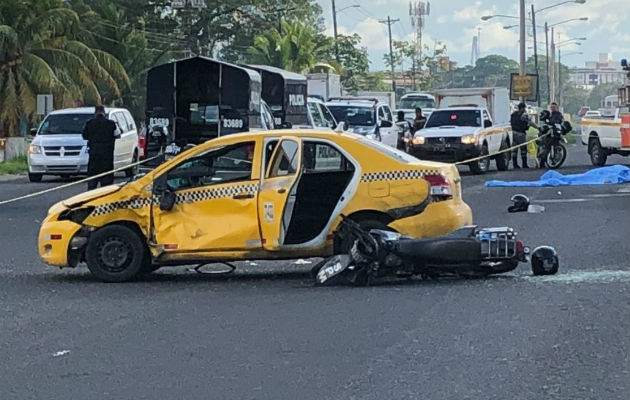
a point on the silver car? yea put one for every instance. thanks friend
(59, 149)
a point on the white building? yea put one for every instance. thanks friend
(605, 70)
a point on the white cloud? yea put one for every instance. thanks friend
(441, 19)
(472, 12)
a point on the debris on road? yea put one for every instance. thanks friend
(61, 353)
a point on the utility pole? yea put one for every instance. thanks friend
(335, 30)
(547, 56)
(389, 23)
(552, 78)
(559, 77)
(536, 56)
(523, 43)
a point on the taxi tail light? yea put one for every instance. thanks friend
(440, 188)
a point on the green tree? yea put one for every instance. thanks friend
(493, 70)
(573, 98)
(40, 53)
(353, 62)
(243, 21)
(599, 92)
(293, 49)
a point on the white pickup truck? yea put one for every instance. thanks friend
(607, 135)
(466, 124)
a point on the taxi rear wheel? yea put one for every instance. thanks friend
(115, 253)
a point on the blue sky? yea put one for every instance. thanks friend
(454, 22)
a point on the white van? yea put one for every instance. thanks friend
(59, 149)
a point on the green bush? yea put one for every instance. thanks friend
(14, 166)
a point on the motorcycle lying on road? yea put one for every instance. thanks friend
(552, 151)
(469, 252)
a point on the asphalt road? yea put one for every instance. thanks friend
(267, 333)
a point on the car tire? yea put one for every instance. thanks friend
(597, 152)
(115, 253)
(479, 167)
(344, 246)
(132, 171)
(503, 159)
(34, 177)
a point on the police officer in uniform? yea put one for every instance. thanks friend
(101, 134)
(520, 122)
(418, 122)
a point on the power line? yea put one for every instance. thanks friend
(130, 45)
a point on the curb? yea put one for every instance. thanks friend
(11, 177)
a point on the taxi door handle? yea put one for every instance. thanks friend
(282, 190)
(243, 196)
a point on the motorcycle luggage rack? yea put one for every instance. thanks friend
(497, 243)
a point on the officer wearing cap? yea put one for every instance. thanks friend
(520, 122)
(101, 134)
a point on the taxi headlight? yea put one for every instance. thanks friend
(417, 140)
(34, 149)
(468, 139)
(77, 215)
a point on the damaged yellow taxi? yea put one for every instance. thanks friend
(252, 196)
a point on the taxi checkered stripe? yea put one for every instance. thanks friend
(397, 175)
(190, 197)
(208, 194)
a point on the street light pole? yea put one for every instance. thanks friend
(547, 59)
(560, 76)
(552, 77)
(536, 56)
(522, 36)
(335, 30)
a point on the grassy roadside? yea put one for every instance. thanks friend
(14, 166)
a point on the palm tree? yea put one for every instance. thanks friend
(40, 53)
(293, 49)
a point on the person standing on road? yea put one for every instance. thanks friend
(404, 130)
(101, 134)
(520, 122)
(556, 116)
(418, 122)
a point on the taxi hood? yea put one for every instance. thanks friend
(90, 195)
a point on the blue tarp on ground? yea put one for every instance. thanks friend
(597, 176)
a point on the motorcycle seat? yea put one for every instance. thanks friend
(447, 250)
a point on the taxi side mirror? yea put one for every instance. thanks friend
(487, 123)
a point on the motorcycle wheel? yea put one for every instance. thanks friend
(556, 156)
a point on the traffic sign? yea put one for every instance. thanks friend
(524, 86)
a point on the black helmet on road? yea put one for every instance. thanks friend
(521, 202)
(544, 260)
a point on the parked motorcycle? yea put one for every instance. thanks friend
(552, 150)
(469, 252)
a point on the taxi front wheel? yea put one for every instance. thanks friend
(115, 253)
